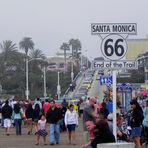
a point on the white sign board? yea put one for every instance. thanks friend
(114, 45)
(115, 64)
(113, 28)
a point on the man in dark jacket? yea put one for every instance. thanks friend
(7, 113)
(53, 116)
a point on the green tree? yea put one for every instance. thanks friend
(26, 44)
(36, 72)
(76, 49)
(7, 56)
(36, 53)
(8, 49)
(65, 48)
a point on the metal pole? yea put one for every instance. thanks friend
(114, 105)
(45, 94)
(72, 74)
(81, 61)
(58, 86)
(58, 79)
(27, 91)
(87, 62)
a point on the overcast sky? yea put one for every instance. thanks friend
(51, 22)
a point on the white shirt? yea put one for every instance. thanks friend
(71, 117)
(42, 124)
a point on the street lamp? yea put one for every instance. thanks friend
(86, 59)
(45, 94)
(58, 86)
(81, 67)
(72, 73)
(27, 61)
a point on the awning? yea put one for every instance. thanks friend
(145, 92)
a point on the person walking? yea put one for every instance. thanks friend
(36, 116)
(29, 116)
(71, 121)
(136, 122)
(7, 113)
(145, 122)
(53, 117)
(41, 130)
(46, 106)
(17, 116)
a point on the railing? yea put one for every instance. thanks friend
(68, 89)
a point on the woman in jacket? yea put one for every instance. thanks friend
(136, 122)
(71, 121)
(29, 116)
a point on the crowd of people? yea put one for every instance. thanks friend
(36, 115)
(98, 125)
(97, 121)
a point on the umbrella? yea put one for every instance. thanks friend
(145, 92)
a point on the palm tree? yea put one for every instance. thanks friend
(36, 53)
(26, 44)
(41, 59)
(65, 47)
(8, 49)
(36, 69)
(8, 54)
(76, 48)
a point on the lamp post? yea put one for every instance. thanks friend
(45, 93)
(81, 67)
(86, 59)
(72, 73)
(58, 86)
(1, 88)
(27, 89)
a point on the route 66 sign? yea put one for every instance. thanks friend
(114, 47)
(114, 44)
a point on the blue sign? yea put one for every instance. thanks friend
(106, 80)
(124, 87)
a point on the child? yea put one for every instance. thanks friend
(90, 127)
(41, 129)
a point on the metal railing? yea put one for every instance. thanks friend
(68, 89)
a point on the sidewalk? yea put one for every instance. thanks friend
(28, 141)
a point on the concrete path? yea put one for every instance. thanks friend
(28, 141)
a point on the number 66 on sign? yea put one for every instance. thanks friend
(114, 47)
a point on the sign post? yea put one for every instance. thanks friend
(114, 48)
(114, 105)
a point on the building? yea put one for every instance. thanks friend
(136, 47)
(57, 64)
(143, 62)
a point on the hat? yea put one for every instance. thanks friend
(134, 101)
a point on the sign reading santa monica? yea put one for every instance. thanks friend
(124, 28)
(114, 44)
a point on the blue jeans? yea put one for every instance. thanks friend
(18, 123)
(54, 135)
